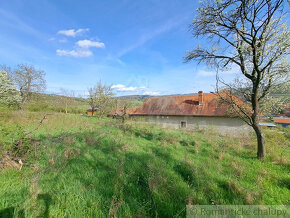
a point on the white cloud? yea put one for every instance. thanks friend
(72, 32)
(79, 53)
(82, 49)
(88, 43)
(151, 93)
(63, 40)
(138, 90)
(123, 88)
(206, 73)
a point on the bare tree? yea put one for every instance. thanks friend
(252, 35)
(100, 98)
(28, 80)
(92, 100)
(67, 98)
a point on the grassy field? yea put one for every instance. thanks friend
(79, 166)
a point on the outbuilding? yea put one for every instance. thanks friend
(91, 113)
(284, 121)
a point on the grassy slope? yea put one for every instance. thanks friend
(56, 103)
(88, 167)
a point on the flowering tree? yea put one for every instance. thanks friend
(9, 95)
(101, 98)
(253, 36)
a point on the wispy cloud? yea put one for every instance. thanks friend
(134, 89)
(151, 93)
(206, 73)
(78, 53)
(123, 88)
(63, 40)
(72, 32)
(165, 27)
(88, 43)
(14, 21)
(209, 73)
(82, 49)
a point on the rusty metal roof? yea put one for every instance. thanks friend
(183, 105)
(285, 120)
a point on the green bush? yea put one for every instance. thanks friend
(13, 139)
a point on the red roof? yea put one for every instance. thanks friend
(184, 105)
(281, 120)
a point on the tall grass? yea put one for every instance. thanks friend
(88, 167)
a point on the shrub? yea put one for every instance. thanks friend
(13, 139)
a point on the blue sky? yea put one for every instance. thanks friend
(136, 46)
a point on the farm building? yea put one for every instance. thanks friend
(91, 113)
(191, 112)
(284, 121)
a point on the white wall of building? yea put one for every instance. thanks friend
(223, 125)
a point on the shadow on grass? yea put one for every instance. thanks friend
(284, 183)
(125, 178)
(16, 212)
(7, 212)
(47, 202)
(116, 176)
(108, 163)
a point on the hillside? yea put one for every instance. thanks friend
(135, 97)
(76, 105)
(80, 166)
(56, 103)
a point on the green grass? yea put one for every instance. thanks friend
(56, 103)
(88, 167)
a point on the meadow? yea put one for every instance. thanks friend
(81, 166)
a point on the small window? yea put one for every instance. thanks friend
(183, 124)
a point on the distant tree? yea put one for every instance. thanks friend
(28, 80)
(253, 36)
(100, 98)
(67, 98)
(9, 95)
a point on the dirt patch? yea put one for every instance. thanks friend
(70, 153)
(7, 162)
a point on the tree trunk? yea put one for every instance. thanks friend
(66, 107)
(261, 149)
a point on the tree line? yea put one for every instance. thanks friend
(19, 85)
